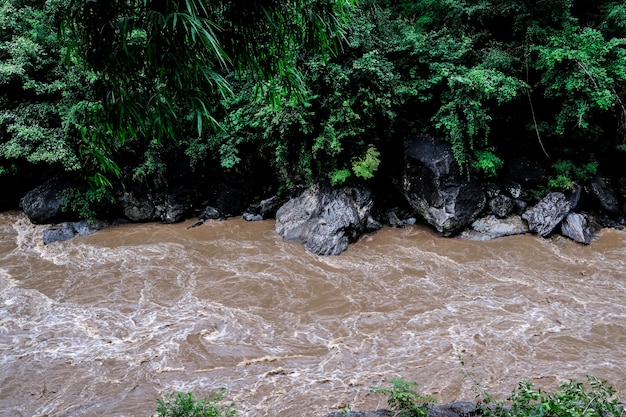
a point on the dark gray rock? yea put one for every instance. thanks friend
(519, 206)
(547, 214)
(175, 208)
(576, 227)
(601, 189)
(61, 232)
(512, 188)
(326, 220)
(574, 196)
(492, 227)
(210, 213)
(491, 190)
(44, 204)
(69, 230)
(501, 205)
(434, 186)
(264, 209)
(393, 220)
(138, 206)
(455, 409)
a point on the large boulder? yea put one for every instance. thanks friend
(492, 227)
(68, 230)
(433, 185)
(603, 191)
(547, 213)
(264, 209)
(326, 220)
(139, 205)
(576, 227)
(44, 204)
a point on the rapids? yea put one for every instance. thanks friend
(105, 324)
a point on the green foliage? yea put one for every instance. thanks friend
(487, 163)
(585, 72)
(404, 400)
(365, 166)
(172, 59)
(567, 174)
(572, 399)
(38, 92)
(185, 405)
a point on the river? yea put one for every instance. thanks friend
(105, 324)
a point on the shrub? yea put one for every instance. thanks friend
(185, 405)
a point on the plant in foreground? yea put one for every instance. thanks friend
(185, 405)
(404, 400)
(572, 399)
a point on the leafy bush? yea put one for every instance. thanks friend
(572, 399)
(567, 174)
(185, 405)
(404, 399)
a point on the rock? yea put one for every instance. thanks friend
(265, 209)
(326, 220)
(44, 204)
(547, 214)
(393, 220)
(61, 232)
(576, 227)
(455, 409)
(68, 230)
(512, 188)
(210, 213)
(602, 190)
(519, 206)
(138, 206)
(491, 190)
(492, 227)
(175, 208)
(574, 196)
(433, 185)
(501, 205)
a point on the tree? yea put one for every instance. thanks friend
(162, 64)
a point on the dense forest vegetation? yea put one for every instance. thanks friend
(170, 93)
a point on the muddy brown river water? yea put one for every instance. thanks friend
(103, 325)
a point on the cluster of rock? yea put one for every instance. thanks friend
(326, 220)
(455, 409)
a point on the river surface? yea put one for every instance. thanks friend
(103, 325)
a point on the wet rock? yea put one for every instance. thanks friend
(604, 193)
(434, 187)
(576, 227)
(265, 209)
(326, 220)
(209, 213)
(491, 190)
(547, 214)
(69, 230)
(175, 208)
(575, 196)
(44, 204)
(512, 188)
(455, 409)
(519, 206)
(501, 205)
(138, 206)
(492, 227)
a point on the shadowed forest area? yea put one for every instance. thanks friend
(179, 94)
